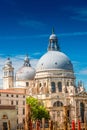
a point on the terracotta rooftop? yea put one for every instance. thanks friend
(11, 91)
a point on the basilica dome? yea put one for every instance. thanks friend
(26, 72)
(54, 58)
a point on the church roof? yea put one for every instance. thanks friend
(54, 59)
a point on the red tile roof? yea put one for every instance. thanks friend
(12, 91)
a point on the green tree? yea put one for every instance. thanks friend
(38, 111)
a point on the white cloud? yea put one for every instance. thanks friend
(73, 34)
(23, 37)
(80, 14)
(83, 72)
(33, 24)
(37, 53)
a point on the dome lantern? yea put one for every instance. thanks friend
(53, 42)
(26, 61)
(8, 62)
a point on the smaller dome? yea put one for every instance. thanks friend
(26, 72)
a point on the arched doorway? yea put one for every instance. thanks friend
(5, 126)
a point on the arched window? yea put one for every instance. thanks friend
(58, 104)
(59, 86)
(82, 111)
(53, 88)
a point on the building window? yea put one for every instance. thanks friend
(67, 83)
(23, 102)
(7, 95)
(11, 95)
(23, 111)
(66, 91)
(53, 88)
(17, 111)
(72, 84)
(16, 102)
(17, 121)
(59, 86)
(40, 85)
(5, 73)
(68, 113)
(17, 96)
(27, 84)
(23, 96)
(11, 102)
(82, 111)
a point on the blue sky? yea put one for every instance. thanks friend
(25, 27)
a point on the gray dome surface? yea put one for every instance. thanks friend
(25, 73)
(54, 60)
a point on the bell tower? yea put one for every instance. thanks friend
(8, 75)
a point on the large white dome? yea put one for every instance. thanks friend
(54, 60)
